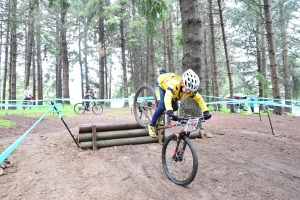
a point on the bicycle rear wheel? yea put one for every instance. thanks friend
(97, 108)
(143, 104)
(182, 167)
(79, 108)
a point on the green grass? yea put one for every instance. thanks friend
(36, 112)
(66, 110)
(6, 123)
(121, 112)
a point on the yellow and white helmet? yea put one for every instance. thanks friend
(190, 80)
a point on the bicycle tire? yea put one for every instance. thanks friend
(143, 105)
(79, 108)
(188, 166)
(97, 109)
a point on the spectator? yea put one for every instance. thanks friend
(27, 97)
(252, 104)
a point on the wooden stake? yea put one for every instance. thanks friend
(94, 137)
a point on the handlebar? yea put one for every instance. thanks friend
(182, 121)
(185, 119)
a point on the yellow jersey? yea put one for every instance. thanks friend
(171, 83)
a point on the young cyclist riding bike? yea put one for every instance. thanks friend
(171, 88)
(88, 96)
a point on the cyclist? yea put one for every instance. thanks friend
(171, 88)
(88, 95)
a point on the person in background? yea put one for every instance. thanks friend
(251, 104)
(88, 95)
(27, 95)
(171, 88)
(237, 105)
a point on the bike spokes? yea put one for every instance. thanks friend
(143, 105)
(97, 109)
(180, 164)
(79, 108)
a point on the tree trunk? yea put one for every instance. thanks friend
(213, 55)
(146, 68)
(29, 43)
(152, 58)
(263, 66)
(39, 66)
(101, 59)
(80, 58)
(13, 54)
(65, 61)
(126, 104)
(33, 72)
(166, 44)
(170, 44)
(192, 41)
(206, 68)
(1, 31)
(39, 60)
(285, 58)
(5, 70)
(58, 68)
(272, 56)
(226, 56)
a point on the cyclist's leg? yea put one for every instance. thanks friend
(87, 105)
(160, 94)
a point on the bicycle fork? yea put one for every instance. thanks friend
(178, 156)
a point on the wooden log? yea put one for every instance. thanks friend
(87, 128)
(118, 142)
(159, 136)
(94, 137)
(105, 135)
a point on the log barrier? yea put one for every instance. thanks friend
(94, 136)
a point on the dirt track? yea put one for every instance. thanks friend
(243, 160)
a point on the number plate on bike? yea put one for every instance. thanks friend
(191, 125)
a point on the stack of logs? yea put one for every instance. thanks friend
(100, 135)
(106, 135)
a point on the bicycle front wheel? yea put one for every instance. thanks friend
(181, 166)
(143, 104)
(79, 108)
(97, 108)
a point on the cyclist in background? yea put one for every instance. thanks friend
(88, 95)
(171, 88)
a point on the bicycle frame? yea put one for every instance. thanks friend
(91, 103)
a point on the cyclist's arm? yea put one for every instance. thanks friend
(198, 98)
(168, 100)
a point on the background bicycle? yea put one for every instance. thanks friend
(96, 107)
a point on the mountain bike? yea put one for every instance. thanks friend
(179, 156)
(97, 108)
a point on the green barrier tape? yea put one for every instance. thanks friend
(12, 147)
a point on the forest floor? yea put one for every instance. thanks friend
(242, 160)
